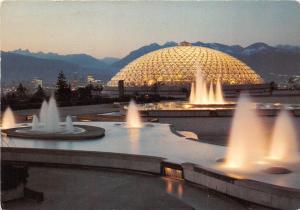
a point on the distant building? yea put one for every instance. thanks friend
(74, 84)
(294, 82)
(37, 82)
(90, 79)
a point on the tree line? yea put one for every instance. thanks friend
(65, 96)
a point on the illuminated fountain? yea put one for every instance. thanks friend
(69, 124)
(219, 93)
(8, 119)
(49, 118)
(133, 119)
(203, 97)
(192, 94)
(52, 117)
(200, 95)
(8, 122)
(247, 140)
(49, 126)
(284, 145)
(35, 123)
(43, 112)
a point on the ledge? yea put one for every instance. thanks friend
(227, 112)
(83, 158)
(250, 190)
(91, 132)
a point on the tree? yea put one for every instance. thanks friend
(85, 93)
(39, 95)
(63, 91)
(273, 86)
(97, 88)
(21, 91)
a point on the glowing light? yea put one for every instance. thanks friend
(84, 120)
(173, 173)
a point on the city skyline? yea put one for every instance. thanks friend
(113, 29)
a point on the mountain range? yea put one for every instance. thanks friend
(23, 65)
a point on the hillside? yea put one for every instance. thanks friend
(22, 65)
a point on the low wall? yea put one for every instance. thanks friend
(250, 190)
(83, 158)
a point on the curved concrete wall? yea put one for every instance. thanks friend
(249, 190)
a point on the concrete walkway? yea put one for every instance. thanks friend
(106, 190)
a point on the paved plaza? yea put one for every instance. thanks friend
(106, 190)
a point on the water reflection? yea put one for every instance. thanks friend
(180, 190)
(169, 187)
(4, 140)
(134, 138)
(174, 187)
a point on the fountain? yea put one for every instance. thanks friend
(284, 146)
(211, 94)
(49, 126)
(247, 141)
(133, 119)
(202, 99)
(35, 123)
(69, 124)
(192, 94)
(43, 112)
(8, 119)
(219, 93)
(49, 118)
(52, 119)
(247, 148)
(199, 94)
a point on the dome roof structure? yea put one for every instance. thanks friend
(177, 66)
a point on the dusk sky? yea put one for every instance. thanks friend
(114, 29)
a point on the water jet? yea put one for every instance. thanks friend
(8, 119)
(133, 119)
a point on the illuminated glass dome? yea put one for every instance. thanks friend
(177, 66)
